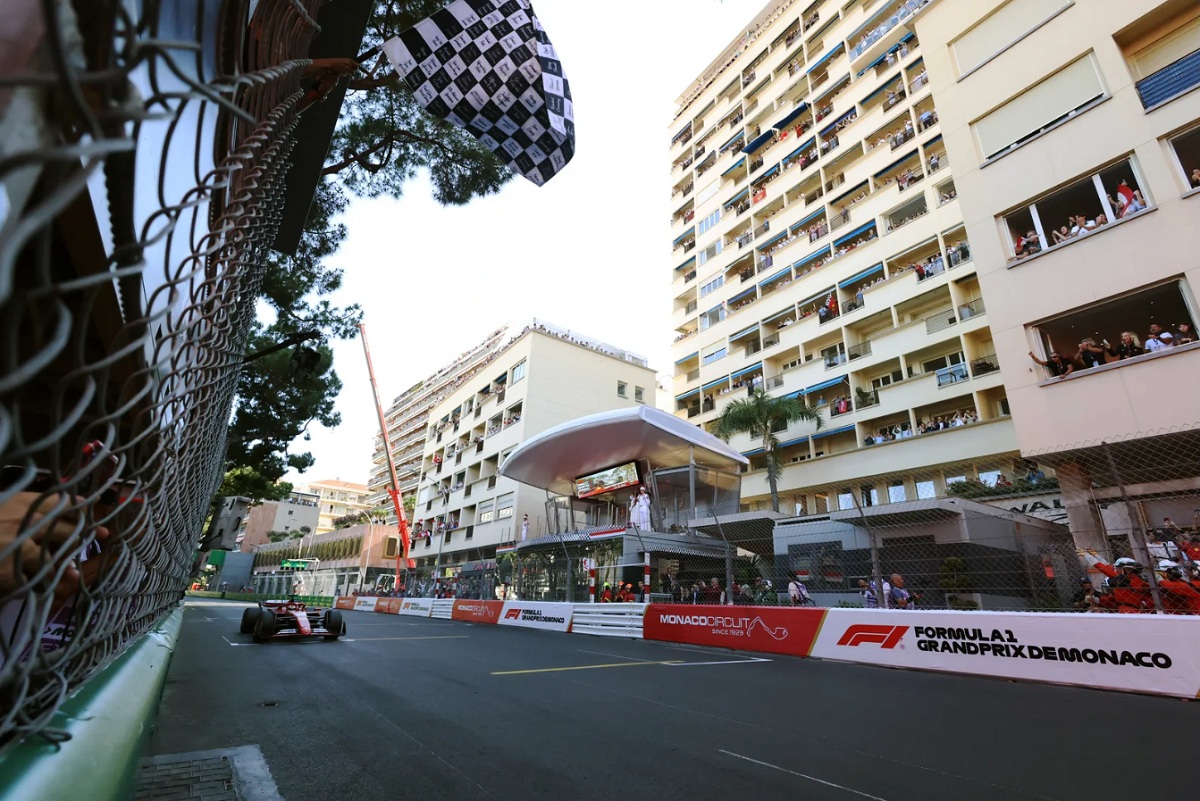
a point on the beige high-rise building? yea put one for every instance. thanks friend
(338, 500)
(820, 251)
(544, 377)
(1074, 130)
(407, 416)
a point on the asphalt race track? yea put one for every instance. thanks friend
(408, 708)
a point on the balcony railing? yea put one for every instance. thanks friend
(689, 276)
(902, 12)
(952, 375)
(835, 360)
(762, 229)
(940, 321)
(972, 309)
(984, 365)
(774, 382)
(859, 350)
(692, 375)
(770, 342)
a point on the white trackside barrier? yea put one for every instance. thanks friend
(443, 609)
(609, 620)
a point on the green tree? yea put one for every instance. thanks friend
(760, 416)
(277, 536)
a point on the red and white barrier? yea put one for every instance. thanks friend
(535, 615)
(769, 629)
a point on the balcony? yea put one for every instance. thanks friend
(972, 309)
(984, 365)
(940, 321)
(858, 351)
(903, 12)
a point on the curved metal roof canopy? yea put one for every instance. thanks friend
(555, 458)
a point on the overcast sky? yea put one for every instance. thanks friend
(590, 250)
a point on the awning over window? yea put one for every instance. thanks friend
(833, 431)
(686, 395)
(838, 121)
(773, 240)
(684, 235)
(687, 358)
(937, 138)
(776, 276)
(749, 369)
(847, 194)
(833, 382)
(777, 315)
(721, 380)
(796, 112)
(839, 47)
(730, 143)
(767, 174)
(792, 442)
(809, 218)
(738, 297)
(820, 296)
(809, 259)
(740, 162)
(736, 198)
(758, 142)
(801, 149)
(684, 266)
(859, 230)
(896, 163)
(749, 330)
(878, 268)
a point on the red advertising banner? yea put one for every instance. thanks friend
(344, 603)
(388, 606)
(477, 611)
(772, 630)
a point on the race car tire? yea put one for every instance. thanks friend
(249, 619)
(264, 629)
(333, 622)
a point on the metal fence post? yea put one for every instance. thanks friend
(1137, 537)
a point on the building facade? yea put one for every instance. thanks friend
(407, 416)
(337, 499)
(820, 252)
(297, 514)
(544, 377)
(1074, 130)
(335, 563)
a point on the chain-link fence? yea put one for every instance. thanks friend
(141, 177)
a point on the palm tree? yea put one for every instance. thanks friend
(759, 416)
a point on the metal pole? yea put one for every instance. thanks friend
(1137, 537)
(646, 574)
(881, 598)
(728, 558)
(394, 490)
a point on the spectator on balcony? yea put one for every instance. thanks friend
(1129, 200)
(1058, 366)
(1128, 347)
(1158, 339)
(1061, 235)
(1090, 354)
(1002, 481)
(1184, 334)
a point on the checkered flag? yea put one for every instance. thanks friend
(490, 68)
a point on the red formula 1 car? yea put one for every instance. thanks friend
(291, 618)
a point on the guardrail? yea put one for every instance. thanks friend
(609, 620)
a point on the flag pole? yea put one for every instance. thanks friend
(394, 489)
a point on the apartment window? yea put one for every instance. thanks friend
(518, 372)
(486, 513)
(504, 506)
(639, 394)
(925, 489)
(1083, 207)
(845, 499)
(954, 480)
(712, 285)
(713, 356)
(896, 492)
(889, 378)
(870, 495)
(1161, 309)
(709, 221)
(989, 477)
(1040, 107)
(1163, 52)
(1186, 147)
(820, 503)
(1001, 29)
(712, 317)
(622, 387)
(709, 252)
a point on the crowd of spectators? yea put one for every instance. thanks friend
(1091, 354)
(1125, 202)
(892, 433)
(872, 36)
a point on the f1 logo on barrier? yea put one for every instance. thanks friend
(886, 636)
(513, 614)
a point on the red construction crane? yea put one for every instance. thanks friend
(394, 489)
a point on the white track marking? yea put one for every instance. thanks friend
(858, 793)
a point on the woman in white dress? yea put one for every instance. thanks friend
(641, 512)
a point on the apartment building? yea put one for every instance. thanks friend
(407, 418)
(1074, 130)
(337, 500)
(820, 252)
(544, 377)
(296, 515)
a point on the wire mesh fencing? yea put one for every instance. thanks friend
(141, 177)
